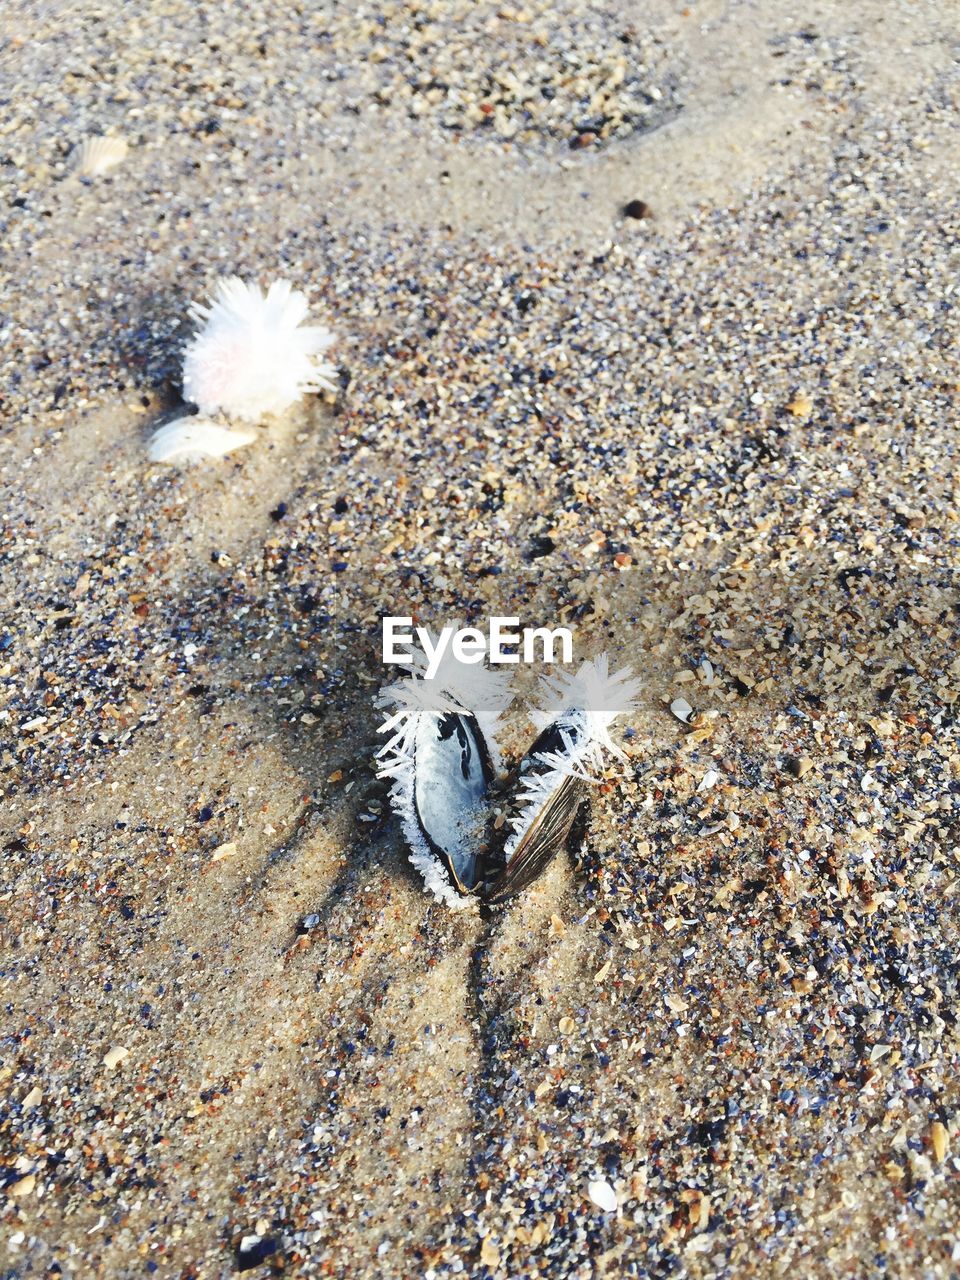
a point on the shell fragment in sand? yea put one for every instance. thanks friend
(682, 709)
(113, 1057)
(23, 1186)
(190, 439)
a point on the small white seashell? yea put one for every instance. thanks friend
(191, 439)
(97, 156)
(682, 709)
(706, 670)
(603, 1195)
(709, 779)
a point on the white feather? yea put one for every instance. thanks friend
(250, 355)
(190, 439)
(469, 689)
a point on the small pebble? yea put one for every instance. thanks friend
(602, 1195)
(636, 209)
(939, 1140)
(22, 1187)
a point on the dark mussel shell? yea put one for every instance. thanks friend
(451, 782)
(550, 829)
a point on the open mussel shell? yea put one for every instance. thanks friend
(452, 776)
(549, 824)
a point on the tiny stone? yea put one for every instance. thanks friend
(636, 209)
(541, 546)
(253, 1251)
(798, 766)
(939, 1140)
(603, 1195)
(489, 1253)
(800, 406)
(23, 1186)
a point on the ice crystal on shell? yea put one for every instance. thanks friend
(251, 354)
(189, 439)
(589, 697)
(459, 688)
(582, 705)
(468, 688)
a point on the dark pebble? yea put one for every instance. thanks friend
(636, 209)
(541, 545)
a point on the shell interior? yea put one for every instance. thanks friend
(451, 781)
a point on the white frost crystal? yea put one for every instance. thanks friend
(457, 687)
(250, 356)
(583, 706)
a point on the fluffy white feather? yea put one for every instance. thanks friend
(250, 355)
(583, 705)
(190, 439)
(456, 687)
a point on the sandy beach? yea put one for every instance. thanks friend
(236, 1034)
